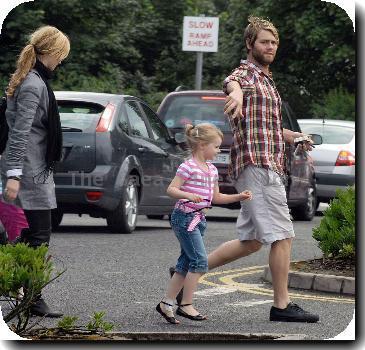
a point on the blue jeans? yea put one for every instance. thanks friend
(193, 257)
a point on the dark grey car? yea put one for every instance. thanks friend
(118, 159)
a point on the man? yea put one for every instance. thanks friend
(257, 155)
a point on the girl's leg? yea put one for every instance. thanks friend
(194, 248)
(174, 286)
(191, 282)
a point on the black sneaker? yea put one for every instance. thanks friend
(292, 313)
(179, 296)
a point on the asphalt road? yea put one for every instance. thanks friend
(126, 275)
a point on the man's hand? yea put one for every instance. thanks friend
(11, 190)
(290, 136)
(233, 104)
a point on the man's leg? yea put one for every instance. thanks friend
(279, 262)
(231, 251)
(284, 310)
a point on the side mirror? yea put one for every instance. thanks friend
(317, 139)
(180, 137)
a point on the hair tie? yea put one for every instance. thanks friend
(35, 49)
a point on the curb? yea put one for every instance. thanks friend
(186, 337)
(318, 282)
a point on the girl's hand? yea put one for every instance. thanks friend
(246, 195)
(194, 198)
(11, 190)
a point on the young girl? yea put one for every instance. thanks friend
(196, 187)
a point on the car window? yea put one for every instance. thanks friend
(331, 134)
(123, 122)
(79, 115)
(158, 128)
(182, 110)
(138, 126)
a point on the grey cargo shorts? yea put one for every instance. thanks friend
(266, 217)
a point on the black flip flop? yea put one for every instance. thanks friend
(182, 313)
(169, 319)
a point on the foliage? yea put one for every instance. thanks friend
(67, 322)
(336, 104)
(336, 232)
(23, 267)
(67, 328)
(98, 324)
(134, 46)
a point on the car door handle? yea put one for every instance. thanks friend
(142, 149)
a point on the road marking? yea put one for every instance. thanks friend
(208, 292)
(249, 303)
(227, 281)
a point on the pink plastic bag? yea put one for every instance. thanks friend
(13, 219)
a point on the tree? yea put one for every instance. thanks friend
(134, 46)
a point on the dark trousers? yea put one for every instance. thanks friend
(39, 231)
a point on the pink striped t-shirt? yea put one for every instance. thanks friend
(198, 181)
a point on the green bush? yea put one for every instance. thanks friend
(337, 104)
(23, 267)
(336, 232)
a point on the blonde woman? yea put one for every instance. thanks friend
(196, 187)
(35, 138)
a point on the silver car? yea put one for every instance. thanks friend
(334, 159)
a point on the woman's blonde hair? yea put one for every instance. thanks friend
(201, 133)
(46, 40)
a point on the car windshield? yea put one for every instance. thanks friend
(182, 110)
(331, 134)
(78, 115)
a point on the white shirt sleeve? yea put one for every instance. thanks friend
(14, 172)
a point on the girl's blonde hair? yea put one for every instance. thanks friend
(201, 133)
(46, 40)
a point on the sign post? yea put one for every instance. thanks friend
(200, 34)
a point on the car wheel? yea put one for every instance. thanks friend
(155, 217)
(318, 202)
(124, 218)
(56, 218)
(306, 211)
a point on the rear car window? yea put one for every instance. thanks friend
(331, 134)
(182, 110)
(79, 115)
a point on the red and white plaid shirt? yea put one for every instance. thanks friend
(258, 136)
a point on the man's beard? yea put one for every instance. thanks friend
(260, 58)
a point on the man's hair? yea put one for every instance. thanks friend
(256, 24)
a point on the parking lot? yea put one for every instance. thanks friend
(125, 276)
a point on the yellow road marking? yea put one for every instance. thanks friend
(228, 281)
